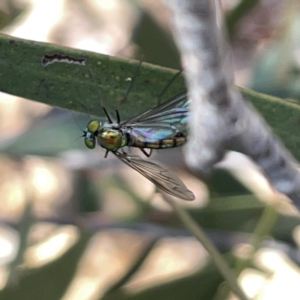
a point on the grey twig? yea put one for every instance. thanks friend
(220, 118)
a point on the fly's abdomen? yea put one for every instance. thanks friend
(158, 136)
(171, 142)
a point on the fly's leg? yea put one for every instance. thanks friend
(118, 117)
(145, 152)
(107, 115)
(167, 86)
(131, 82)
(128, 90)
(125, 153)
(81, 107)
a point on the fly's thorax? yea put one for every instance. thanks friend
(111, 138)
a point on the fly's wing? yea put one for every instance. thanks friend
(162, 178)
(164, 120)
(178, 101)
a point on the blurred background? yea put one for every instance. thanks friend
(74, 225)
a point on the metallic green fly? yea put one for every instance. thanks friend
(162, 127)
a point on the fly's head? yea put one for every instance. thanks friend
(91, 133)
(111, 138)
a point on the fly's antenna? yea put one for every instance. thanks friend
(168, 85)
(83, 131)
(74, 116)
(132, 81)
(80, 137)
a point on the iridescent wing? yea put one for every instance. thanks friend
(179, 101)
(162, 178)
(163, 121)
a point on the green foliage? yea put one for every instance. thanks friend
(199, 285)
(73, 87)
(276, 70)
(237, 13)
(49, 281)
(281, 115)
(232, 208)
(70, 85)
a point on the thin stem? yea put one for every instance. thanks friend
(263, 228)
(199, 234)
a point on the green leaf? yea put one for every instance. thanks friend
(134, 268)
(26, 222)
(49, 281)
(199, 285)
(67, 85)
(235, 15)
(55, 133)
(276, 70)
(70, 85)
(282, 116)
(240, 214)
(155, 43)
(224, 183)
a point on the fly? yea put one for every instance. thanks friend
(162, 127)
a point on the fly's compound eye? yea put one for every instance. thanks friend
(90, 143)
(93, 126)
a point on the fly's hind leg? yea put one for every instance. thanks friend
(146, 153)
